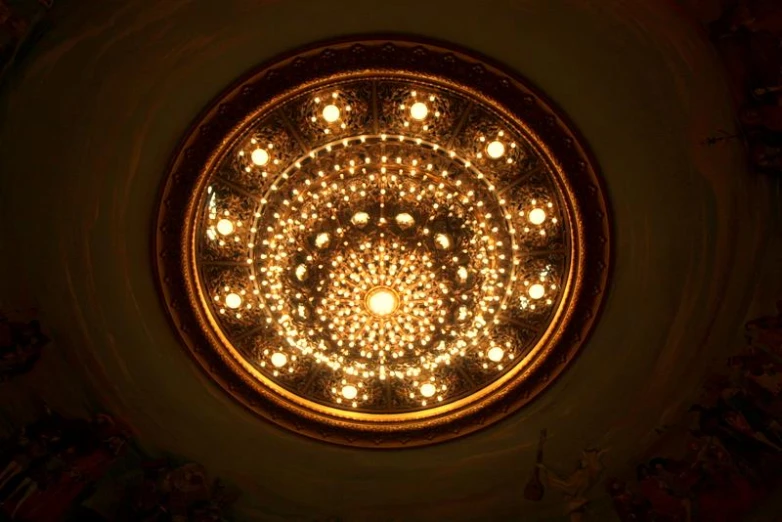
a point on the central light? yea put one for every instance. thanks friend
(331, 113)
(382, 301)
(419, 111)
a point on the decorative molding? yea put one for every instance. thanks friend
(429, 59)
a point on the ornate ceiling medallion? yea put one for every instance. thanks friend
(382, 243)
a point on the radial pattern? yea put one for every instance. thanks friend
(382, 245)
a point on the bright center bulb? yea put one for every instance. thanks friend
(537, 216)
(496, 353)
(537, 291)
(442, 241)
(360, 219)
(405, 220)
(331, 113)
(322, 240)
(419, 111)
(225, 227)
(349, 392)
(495, 149)
(260, 157)
(279, 359)
(382, 301)
(233, 301)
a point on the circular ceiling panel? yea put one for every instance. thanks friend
(382, 243)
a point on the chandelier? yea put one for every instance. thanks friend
(382, 242)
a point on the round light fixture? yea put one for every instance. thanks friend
(383, 243)
(279, 359)
(495, 149)
(419, 111)
(224, 227)
(331, 113)
(382, 301)
(537, 216)
(260, 157)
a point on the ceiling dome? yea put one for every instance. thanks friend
(95, 110)
(390, 242)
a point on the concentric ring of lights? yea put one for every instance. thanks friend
(381, 251)
(384, 268)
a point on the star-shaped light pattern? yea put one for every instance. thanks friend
(384, 271)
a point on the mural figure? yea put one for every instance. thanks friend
(734, 455)
(50, 467)
(577, 485)
(534, 490)
(747, 34)
(182, 493)
(630, 506)
(51, 461)
(20, 347)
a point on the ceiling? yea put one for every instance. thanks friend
(92, 114)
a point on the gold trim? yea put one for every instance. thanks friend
(499, 393)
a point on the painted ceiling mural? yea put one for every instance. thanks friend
(670, 412)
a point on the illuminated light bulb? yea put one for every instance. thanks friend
(233, 301)
(537, 216)
(360, 219)
(322, 240)
(442, 241)
(301, 272)
(382, 301)
(462, 273)
(496, 354)
(536, 291)
(428, 390)
(419, 111)
(495, 149)
(330, 113)
(405, 220)
(279, 359)
(349, 392)
(260, 157)
(225, 227)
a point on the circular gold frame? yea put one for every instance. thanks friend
(495, 86)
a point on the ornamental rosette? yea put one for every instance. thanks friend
(380, 252)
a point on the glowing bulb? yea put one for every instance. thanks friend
(537, 216)
(331, 113)
(419, 111)
(260, 157)
(301, 272)
(225, 227)
(495, 149)
(349, 392)
(360, 219)
(405, 220)
(322, 240)
(442, 241)
(233, 301)
(496, 353)
(462, 273)
(279, 359)
(428, 389)
(536, 291)
(382, 301)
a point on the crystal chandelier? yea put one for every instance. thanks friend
(374, 249)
